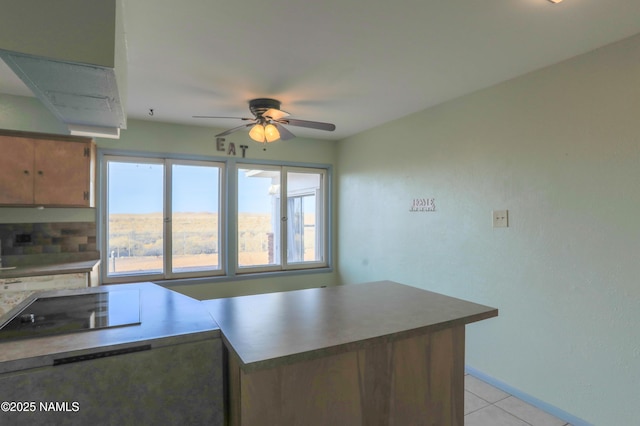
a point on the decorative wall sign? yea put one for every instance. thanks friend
(231, 150)
(423, 205)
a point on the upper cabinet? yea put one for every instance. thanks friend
(53, 171)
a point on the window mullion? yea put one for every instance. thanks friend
(322, 213)
(284, 217)
(230, 220)
(167, 215)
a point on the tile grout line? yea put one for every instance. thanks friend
(567, 418)
(500, 408)
(496, 406)
(510, 413)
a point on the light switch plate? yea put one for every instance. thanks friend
(501, 218)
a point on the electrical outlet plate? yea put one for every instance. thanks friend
(501, 218)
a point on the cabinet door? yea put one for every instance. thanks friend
(62, 173)
(16, 170)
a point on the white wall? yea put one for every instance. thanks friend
(27, 114)
(560, 149)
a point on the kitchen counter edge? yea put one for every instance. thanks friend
(167, 318)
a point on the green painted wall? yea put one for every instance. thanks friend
(27, 114)
(560, 149)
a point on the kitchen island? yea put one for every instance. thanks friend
(378, 353)
(164, 366)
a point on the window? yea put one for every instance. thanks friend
(195, 222)
(258, 217)
(305, 215)
(161, 218)
(269, 239)
(167, 218)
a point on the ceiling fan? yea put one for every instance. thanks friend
(267, 124)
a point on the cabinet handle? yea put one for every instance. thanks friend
(40, 172)
(26, 172)
(98, 355)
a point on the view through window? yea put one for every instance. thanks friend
(265, 235)
(195, 220)
(135, 218)
(139, 217)
(165, 218)
(258, 217)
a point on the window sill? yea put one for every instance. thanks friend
(241, 277)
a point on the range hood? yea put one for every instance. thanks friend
(75, 67)
(77, 94)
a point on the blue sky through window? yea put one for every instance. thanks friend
(136, 188)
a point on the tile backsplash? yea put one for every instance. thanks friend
(43, 243)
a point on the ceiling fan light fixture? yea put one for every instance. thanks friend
(268, 124)
(271, 133)
(257, 133)
(264, 133)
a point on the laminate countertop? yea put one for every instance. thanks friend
(48, 269)
(166, 318)
(280, 328)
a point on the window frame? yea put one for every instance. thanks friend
(321, 212)
(167, 227)
(168, 261)
(229, 270)
(284, 264)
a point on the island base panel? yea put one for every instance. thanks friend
(417, 380)
(171, 385)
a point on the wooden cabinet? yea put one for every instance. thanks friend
(413, 381)
(35, 170)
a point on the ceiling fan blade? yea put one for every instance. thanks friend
(275, 114)
(284, 133)
(310, 124)
(211, 116)
(235, 129)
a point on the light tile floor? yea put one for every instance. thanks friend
(485, 405)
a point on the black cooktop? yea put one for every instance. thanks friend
(47, 316)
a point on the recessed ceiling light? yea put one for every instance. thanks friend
(555, 1)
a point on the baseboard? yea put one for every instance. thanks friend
(554, 411)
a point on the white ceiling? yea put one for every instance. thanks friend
(354, 63)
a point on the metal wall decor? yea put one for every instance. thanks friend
(423, 205)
